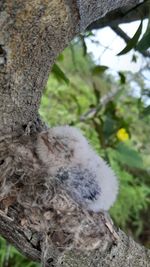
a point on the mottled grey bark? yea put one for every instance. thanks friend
(32, 33)
(122, 15)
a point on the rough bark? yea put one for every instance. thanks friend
(32, 33)
(122, 15)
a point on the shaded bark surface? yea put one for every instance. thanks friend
(32, 34)
(122, 15)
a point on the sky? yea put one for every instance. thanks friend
(115, 44)
(109, 45)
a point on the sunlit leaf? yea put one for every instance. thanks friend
(133, 41)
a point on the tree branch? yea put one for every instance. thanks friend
(124, 14)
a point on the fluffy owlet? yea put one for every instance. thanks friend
(84, 175)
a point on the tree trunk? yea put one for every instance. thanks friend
(32, 34)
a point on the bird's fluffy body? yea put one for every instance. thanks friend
(70, 159)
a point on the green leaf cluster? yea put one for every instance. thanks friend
(10, 257)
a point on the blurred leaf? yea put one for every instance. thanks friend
(144, 43)
(118, 95)
(60, 57)
(129, 156)
(109, 127)
(134, 58)
(59, 74)
(146, 92)
(122, 77)
(133, 41)
(97, 92)
(83, 45)
(99, 69)
(146, 111)
(73, 56)
(88, 34)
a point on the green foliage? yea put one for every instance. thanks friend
(129, 156)
(133, 41)
(144, 43)
(122, 77)
(99, 69)
(146, 111)
(59, 74)
(10, 257)
(133, 197)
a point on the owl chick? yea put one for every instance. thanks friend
(84, 175)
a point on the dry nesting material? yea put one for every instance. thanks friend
(46, 206)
